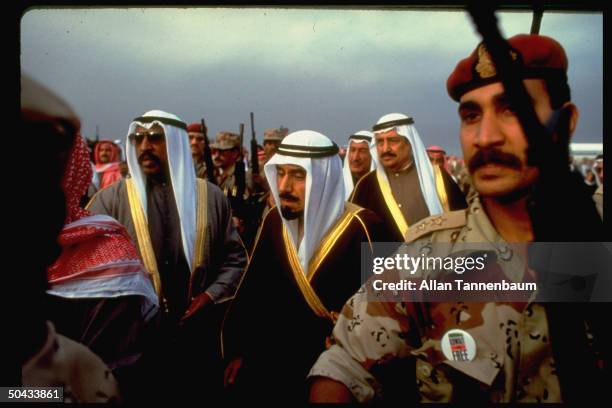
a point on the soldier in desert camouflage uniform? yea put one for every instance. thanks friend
(508, 335)
(514, 354)
(225, 154)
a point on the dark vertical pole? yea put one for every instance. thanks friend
(538, 12)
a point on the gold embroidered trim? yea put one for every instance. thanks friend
(142, 235)
(366, 231)
(327, 243)
(440, 188)
(300, 278)
(391, 203)
(201, 223)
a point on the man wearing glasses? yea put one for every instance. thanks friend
(183, 230)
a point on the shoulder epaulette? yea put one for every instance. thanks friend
(451, 219)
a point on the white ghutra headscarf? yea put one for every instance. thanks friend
(363, 136)
(403, 126)
(324, 195)
(182, 173)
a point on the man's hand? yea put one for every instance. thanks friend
(198, 303)
(238, 224)
(231, 371)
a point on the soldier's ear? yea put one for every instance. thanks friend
(573, 115)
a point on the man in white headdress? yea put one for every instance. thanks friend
(306, 260)
(183, 230)
(360, 159)
(405, 188)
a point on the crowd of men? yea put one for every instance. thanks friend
(165, 279)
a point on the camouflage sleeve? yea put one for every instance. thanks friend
(83, 375)
(366, 333)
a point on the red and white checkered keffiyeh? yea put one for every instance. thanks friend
(110, 171)
(98, 258)
(115, 155)
(77, 177)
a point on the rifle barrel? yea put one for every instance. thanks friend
(210, 170)
(254, 158)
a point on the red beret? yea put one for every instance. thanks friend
(538, 57)
(195, 127)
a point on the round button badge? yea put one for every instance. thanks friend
(458, 345)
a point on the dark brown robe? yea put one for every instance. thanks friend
(368, 194)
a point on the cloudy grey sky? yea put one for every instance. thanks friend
(331, 70)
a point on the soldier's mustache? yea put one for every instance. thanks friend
(493, 156)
